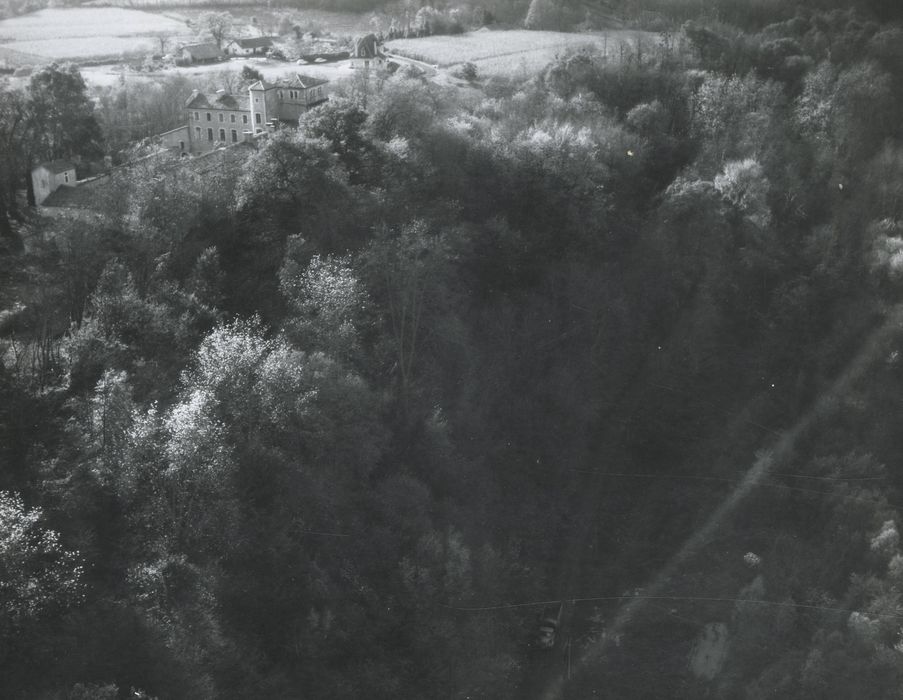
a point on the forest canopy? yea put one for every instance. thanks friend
(343, 416)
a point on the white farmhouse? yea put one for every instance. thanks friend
(256, 46)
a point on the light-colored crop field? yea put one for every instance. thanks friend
(86, 47)
(86, 32)
(510, 52)
(80, 22)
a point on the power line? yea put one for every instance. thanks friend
(728, 480)
(669, 598)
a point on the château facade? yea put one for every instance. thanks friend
(223, 119)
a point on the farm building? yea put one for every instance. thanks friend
(50, 176)
(225, 119)
(256, 46)
(201, 53)
(367, 53)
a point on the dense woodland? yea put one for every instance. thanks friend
(271, 428)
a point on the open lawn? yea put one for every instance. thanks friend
(509, 52)
(87, 32)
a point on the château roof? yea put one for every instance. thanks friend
(223, 100)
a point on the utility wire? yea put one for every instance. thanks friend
(670, 598)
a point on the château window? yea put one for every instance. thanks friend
(197, 132)
(221, 117)
(222, 134)
(244, 118)
(209, 118)
(232, 118)
(210, 134)
(197, 116)
(234, 136)
(257, 117)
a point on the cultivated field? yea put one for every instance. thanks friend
(87, 32)
(512, 52)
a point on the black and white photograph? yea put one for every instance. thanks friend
(451, 349)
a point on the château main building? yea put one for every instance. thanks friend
(219, 119)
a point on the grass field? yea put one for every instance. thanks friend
(86, 47)
(9, 57)
(272, 70)
(86, 32)
(513, 51)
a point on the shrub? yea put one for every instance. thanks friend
(468, 72)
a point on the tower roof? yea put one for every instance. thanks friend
(296, 81)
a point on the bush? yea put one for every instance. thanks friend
(468, 72)
(250, 73)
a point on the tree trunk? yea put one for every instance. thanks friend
(12, 239)
(29, 188)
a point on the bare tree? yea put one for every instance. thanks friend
(225, 79)
(216, 24)
(162, 41)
